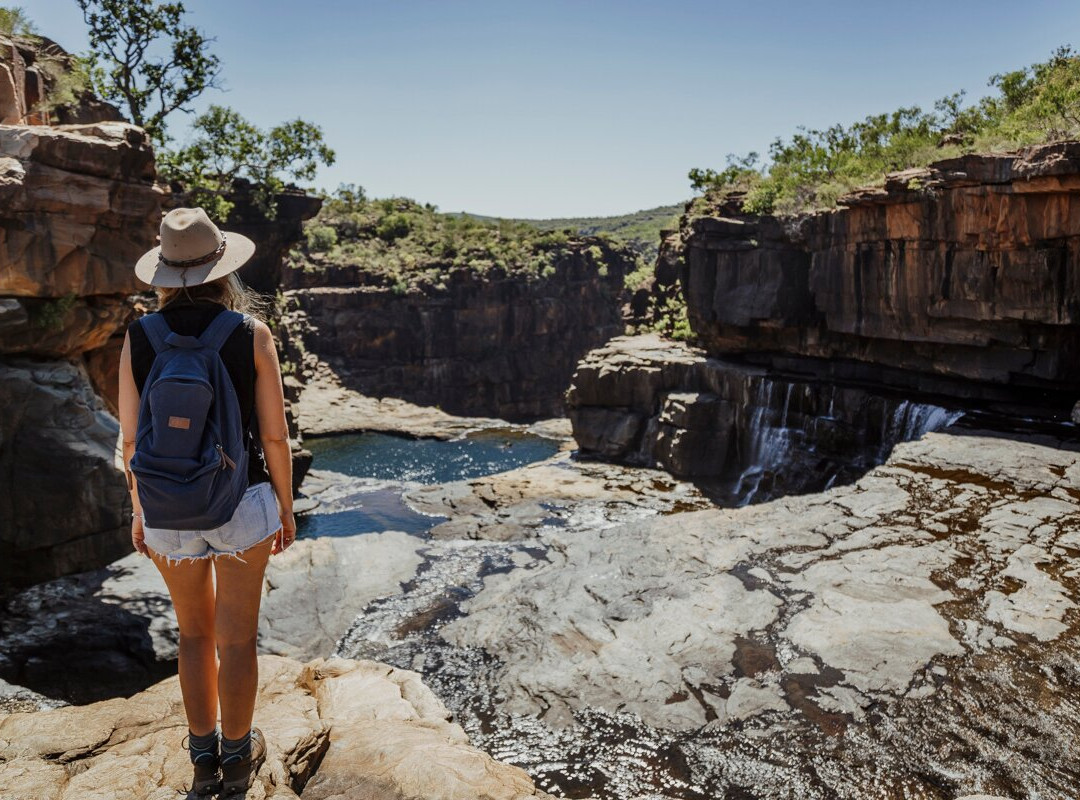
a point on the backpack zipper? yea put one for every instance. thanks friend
(225, 460)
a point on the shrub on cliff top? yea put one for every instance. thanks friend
(814, 168)
(15, 22)
(400, 242)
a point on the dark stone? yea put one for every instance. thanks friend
(64, 504)
(490, 343)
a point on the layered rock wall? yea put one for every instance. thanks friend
(960, 279)
(79, 205)
(743, 433)
(491, 343)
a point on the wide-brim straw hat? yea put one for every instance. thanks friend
(192, 251)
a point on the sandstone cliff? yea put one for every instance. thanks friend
(825, 339)
(80, 204)
(483, 343)
(960, 279)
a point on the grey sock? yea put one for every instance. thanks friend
(203, 749)
(233, 750)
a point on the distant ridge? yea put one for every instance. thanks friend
(640, 230)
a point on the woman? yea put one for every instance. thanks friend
(193, 270)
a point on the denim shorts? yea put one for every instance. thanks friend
(255, 520)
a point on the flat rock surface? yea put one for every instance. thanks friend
(326, 407)
(121, 622)
(512, 505)
(335, 728)
(914, 632)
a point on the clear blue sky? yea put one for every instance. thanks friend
(561, 108)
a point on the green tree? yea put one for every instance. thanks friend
(145, 58)
(226, 147)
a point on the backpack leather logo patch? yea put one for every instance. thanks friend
(183, 423)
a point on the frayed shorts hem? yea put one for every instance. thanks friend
(212, 554)
(255, 520)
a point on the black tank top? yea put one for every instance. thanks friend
(238, 353)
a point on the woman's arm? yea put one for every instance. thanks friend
(274, 431)
(128, 400)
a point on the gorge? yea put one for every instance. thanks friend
(825, 549)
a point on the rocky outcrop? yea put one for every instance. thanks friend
(64, 504)
(335, 729)
(960, 279)
(29, 67)
(264, 272)
(80, 204)
(743, 433)
(882, 634)
(487, 343)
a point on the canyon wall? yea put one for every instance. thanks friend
(484, 343)
(825, 339)
(960, 279)
(80, 204)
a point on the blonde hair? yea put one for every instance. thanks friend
(228, 290)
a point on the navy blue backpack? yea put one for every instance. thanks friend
(191, 456)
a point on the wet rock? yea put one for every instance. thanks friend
(512, 505)
(337, 728)
(741, 433)
(64, 504)
(818, 644)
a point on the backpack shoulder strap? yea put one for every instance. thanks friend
(156, 330)
(220, 329)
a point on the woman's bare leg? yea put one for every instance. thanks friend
(191, 586)
(239, 592)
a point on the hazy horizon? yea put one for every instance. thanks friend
(565, 109)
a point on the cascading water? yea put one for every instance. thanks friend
(787, 448)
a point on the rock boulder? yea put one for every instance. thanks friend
(335, 729)
(64, 504)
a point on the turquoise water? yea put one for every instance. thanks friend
(382, 464)
(395, 458)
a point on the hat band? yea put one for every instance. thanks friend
(195, 262)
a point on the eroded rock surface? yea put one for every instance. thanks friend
(335, 729)
(64, 505)
(914, 632)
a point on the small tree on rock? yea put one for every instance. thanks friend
(226, 147)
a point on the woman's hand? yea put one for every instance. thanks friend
(137, 536)
(287, 535)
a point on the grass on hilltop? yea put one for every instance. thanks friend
(404, 243)
(814, 168)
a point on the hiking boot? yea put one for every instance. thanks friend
(237, 775)
(206, 777)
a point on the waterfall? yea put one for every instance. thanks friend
(792, 450)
